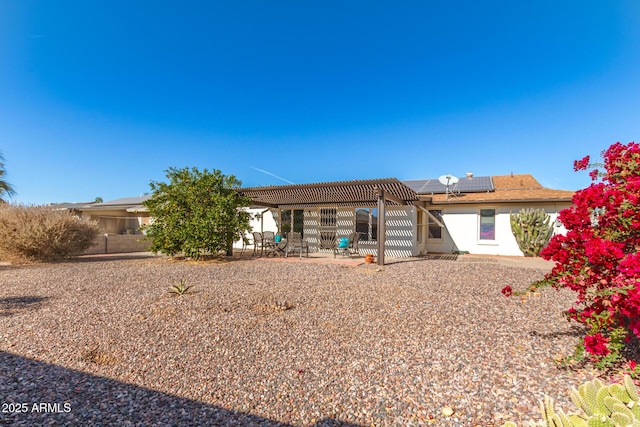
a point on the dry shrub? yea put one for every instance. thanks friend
(97, 356)
(40, 233)
(270, 304)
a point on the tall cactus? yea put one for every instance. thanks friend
(532, 230)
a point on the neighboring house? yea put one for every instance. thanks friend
(419, 216)
(119, 222)
(120, 216)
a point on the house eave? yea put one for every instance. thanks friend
(453, 201)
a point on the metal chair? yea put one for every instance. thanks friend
(350, 248)
(354, 238)
(258, 242)
(245, 242)
(327, 240)
(268, 238)
(295, 242)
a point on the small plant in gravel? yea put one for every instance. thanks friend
(599, 405)
(598, 259)
(271, 304)
(98, 357)
(180, 288)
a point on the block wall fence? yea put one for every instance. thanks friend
(118, 243)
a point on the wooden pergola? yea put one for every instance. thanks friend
(366, 193)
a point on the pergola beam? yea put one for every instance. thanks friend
(382, 222)
(394, 199)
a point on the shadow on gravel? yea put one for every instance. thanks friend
(10, 305)
(423, 258)
(204, 260)
(37, 393)
(112, 257)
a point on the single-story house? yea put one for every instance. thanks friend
(410, 218)
(394, 218)
(119, 222)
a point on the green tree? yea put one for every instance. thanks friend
(6, 189)
(196, 213)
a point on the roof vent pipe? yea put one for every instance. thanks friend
(469, 175)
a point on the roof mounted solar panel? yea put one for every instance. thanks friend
(476, 184)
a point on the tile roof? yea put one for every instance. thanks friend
(508, 188)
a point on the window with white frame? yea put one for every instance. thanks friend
(487, 224)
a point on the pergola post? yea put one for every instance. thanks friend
(381, 233)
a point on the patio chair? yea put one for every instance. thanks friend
(295, 242)
(354, 238)
(347, 245)
(245, 241)
(268, 238)
(269, 242)
(258, 243)
(327, 240)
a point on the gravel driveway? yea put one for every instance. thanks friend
(262, 342)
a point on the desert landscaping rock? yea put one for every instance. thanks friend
(262, 342)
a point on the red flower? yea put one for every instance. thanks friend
(597, 344)
(581, 164)
(507, 291)
(599, 255)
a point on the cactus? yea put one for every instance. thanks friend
(599, 405)
(532, 230)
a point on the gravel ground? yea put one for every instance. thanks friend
(262, 342)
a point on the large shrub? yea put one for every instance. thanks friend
(40, 233)
(196, 213)
(598, 258)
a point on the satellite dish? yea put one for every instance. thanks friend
(447, 181)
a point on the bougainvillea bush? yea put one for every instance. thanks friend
(598, 258)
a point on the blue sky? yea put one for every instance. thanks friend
(99, 98)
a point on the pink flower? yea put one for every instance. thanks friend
(507, 291)
(597, 344)
(581, 164)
